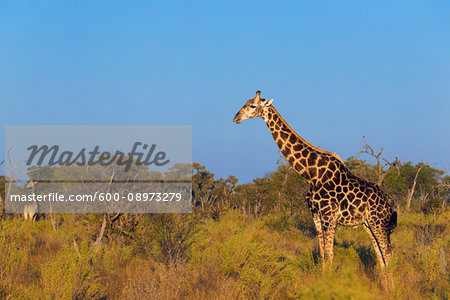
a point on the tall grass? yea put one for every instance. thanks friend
(273, 257)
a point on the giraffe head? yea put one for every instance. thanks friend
(255, 107)
(31, 183)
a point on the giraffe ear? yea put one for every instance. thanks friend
(269, 102)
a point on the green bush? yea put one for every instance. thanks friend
(274, 257)
(72, 275)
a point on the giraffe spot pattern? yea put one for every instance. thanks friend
(292, 139)
(312, 159)
(298, 147)
(336, 194)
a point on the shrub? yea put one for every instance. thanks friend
(71, 275)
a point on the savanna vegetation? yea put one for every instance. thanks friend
(254, 240)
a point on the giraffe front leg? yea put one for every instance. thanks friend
(329, 229)
(318, 225)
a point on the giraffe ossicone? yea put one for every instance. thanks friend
(336, 195)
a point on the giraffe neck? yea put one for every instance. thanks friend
(309, 161)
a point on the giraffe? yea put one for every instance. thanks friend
(30, 210)
(336, 196)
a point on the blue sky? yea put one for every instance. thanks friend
(337, 71)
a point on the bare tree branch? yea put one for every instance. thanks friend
(1, 198)
(381, 171)
(102, 229)
(13, 171)
(412, 189)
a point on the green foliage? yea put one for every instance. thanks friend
(362, 169)
(428, 177)
(173, 236)
(283, 190)
(432, 188)
(236, 256)
(244, 251)
(254, 240)
(38, 172)
(71, 275)
(211, 196)
(395, 185)
(421, 253)
(2, 195)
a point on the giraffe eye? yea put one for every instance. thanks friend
(253, 106)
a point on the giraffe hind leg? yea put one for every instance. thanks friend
(380, 244)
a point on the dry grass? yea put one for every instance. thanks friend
(152, 280)
(273, 257)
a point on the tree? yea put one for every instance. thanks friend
(209, 194)
(13, 171)
(257, 198)
(444, 191)
(2, 194)
(361, 168)
(413, 188)
(291, 189)
(380, 167)
(202, 185)
(421, 177)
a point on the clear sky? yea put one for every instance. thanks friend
(337, 71)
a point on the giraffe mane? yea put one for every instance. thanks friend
(303, 140)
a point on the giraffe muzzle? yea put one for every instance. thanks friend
(237, 119)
